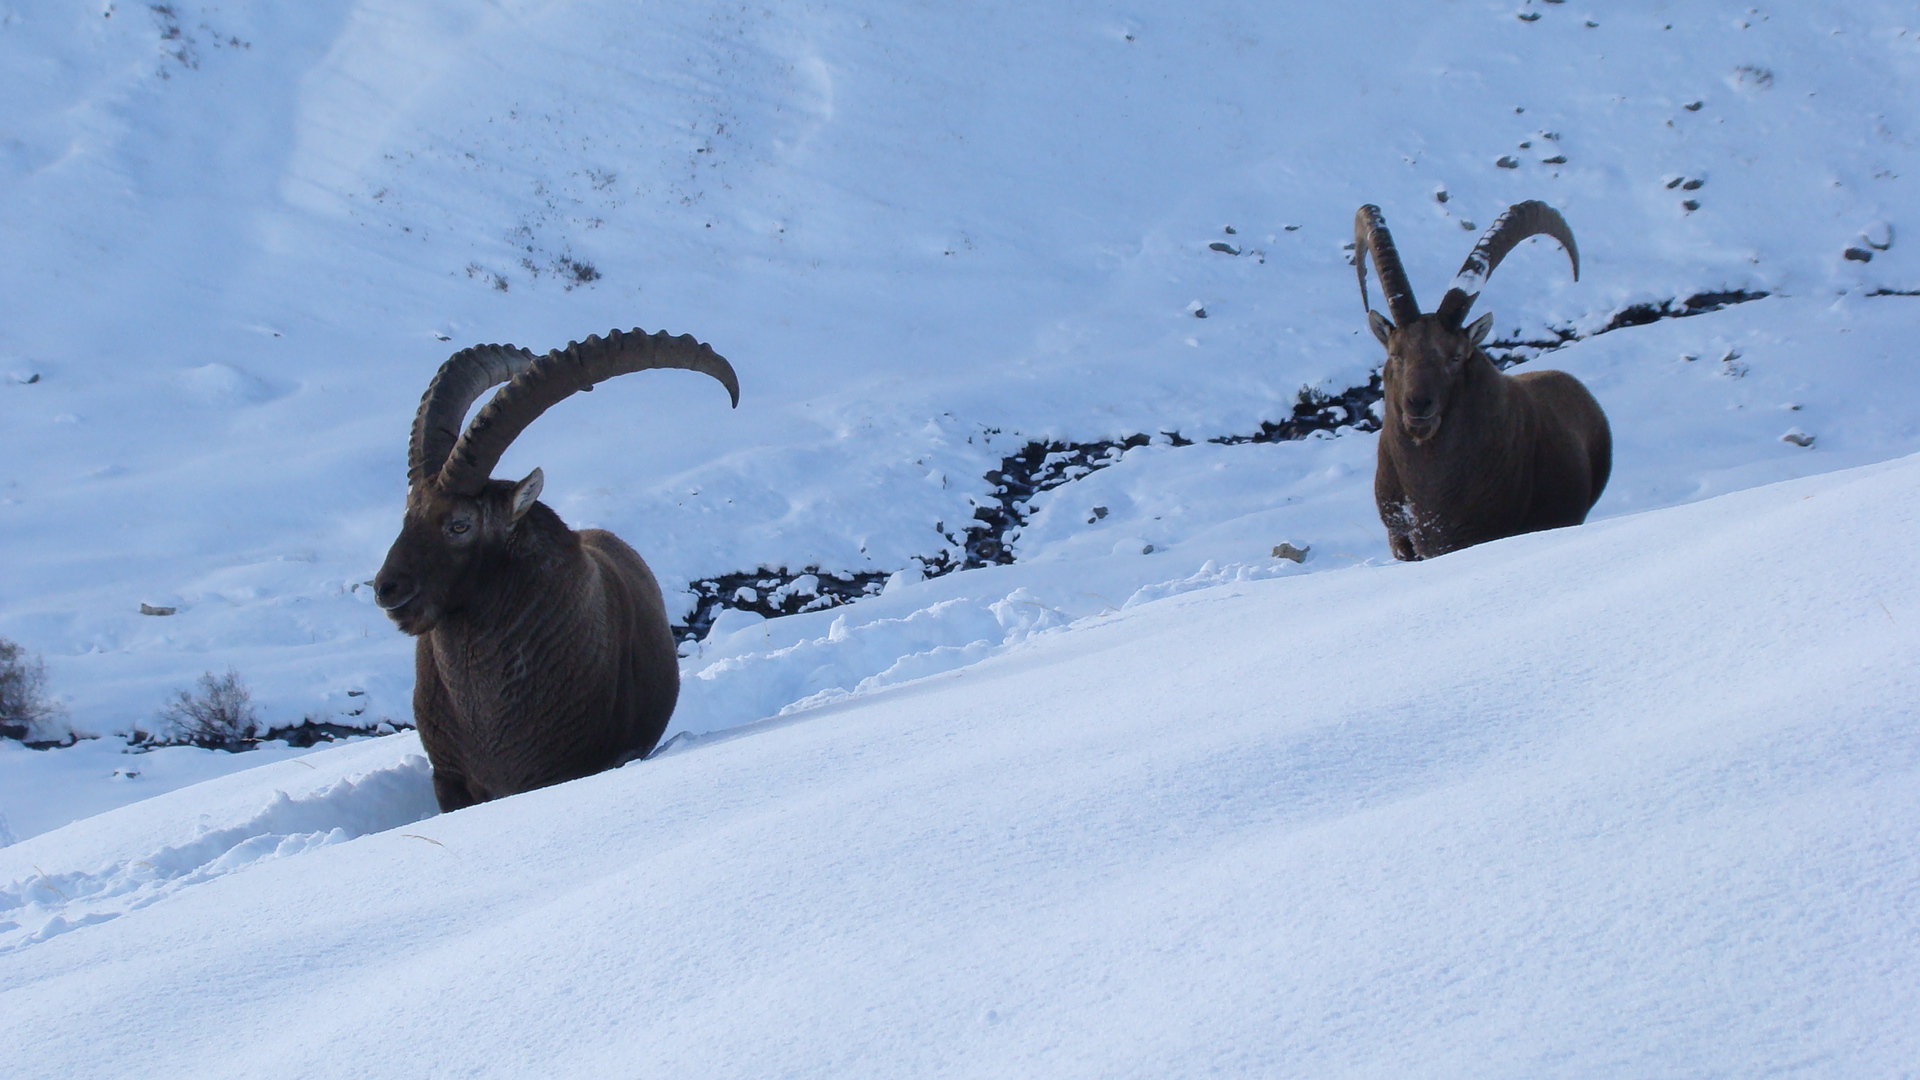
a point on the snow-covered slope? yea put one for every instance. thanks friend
(1633, 799)
(1637, 798)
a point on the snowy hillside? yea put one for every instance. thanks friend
(1040, 291)
(1633, 799)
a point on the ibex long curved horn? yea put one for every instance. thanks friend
(559, 374)
(460, 381)
(1522, 220)
(1370, 236)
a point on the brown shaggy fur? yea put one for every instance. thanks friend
(1468, 454)
(542, 654)
(583, 611)
(1509, 455)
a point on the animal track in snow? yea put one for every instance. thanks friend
(44, 906)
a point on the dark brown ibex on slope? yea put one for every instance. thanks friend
(543, 654)
(1468, 454)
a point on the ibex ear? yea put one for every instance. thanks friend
(1381, 327)
(525, 492)
(1477, 329)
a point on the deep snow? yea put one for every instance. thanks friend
(1620, 802)
(1637, 798)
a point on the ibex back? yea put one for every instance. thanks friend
(542, 654)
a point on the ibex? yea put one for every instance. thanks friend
(542, 654)
(1468, 454)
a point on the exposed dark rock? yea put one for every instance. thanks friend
(774, 593)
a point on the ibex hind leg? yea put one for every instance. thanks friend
(451, 791)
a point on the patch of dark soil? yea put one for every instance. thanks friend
(1508, 352)
(1319, 411)
(304, 734)
(774, 593)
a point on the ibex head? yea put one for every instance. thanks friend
(459, 520)
(1427, 355)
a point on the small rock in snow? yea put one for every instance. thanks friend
(1797, 437)
(1288, 551)
(1855, 254)
(1507, 161)
(1878, 236)
(1098, 513)
(1228, 249)
(154, 609)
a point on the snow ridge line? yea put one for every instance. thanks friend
(44, 906)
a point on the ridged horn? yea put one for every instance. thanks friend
(1522, 220)
(558, 375)
(1370, 237)
(460, 381)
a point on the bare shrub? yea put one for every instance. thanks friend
(25, 711)
(219, 717)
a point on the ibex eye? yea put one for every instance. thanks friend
(458, 527)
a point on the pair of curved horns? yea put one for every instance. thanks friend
(442, 455)
(1522, 220)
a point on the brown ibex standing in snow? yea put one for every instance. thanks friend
(1468, 454)
(543, 654)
